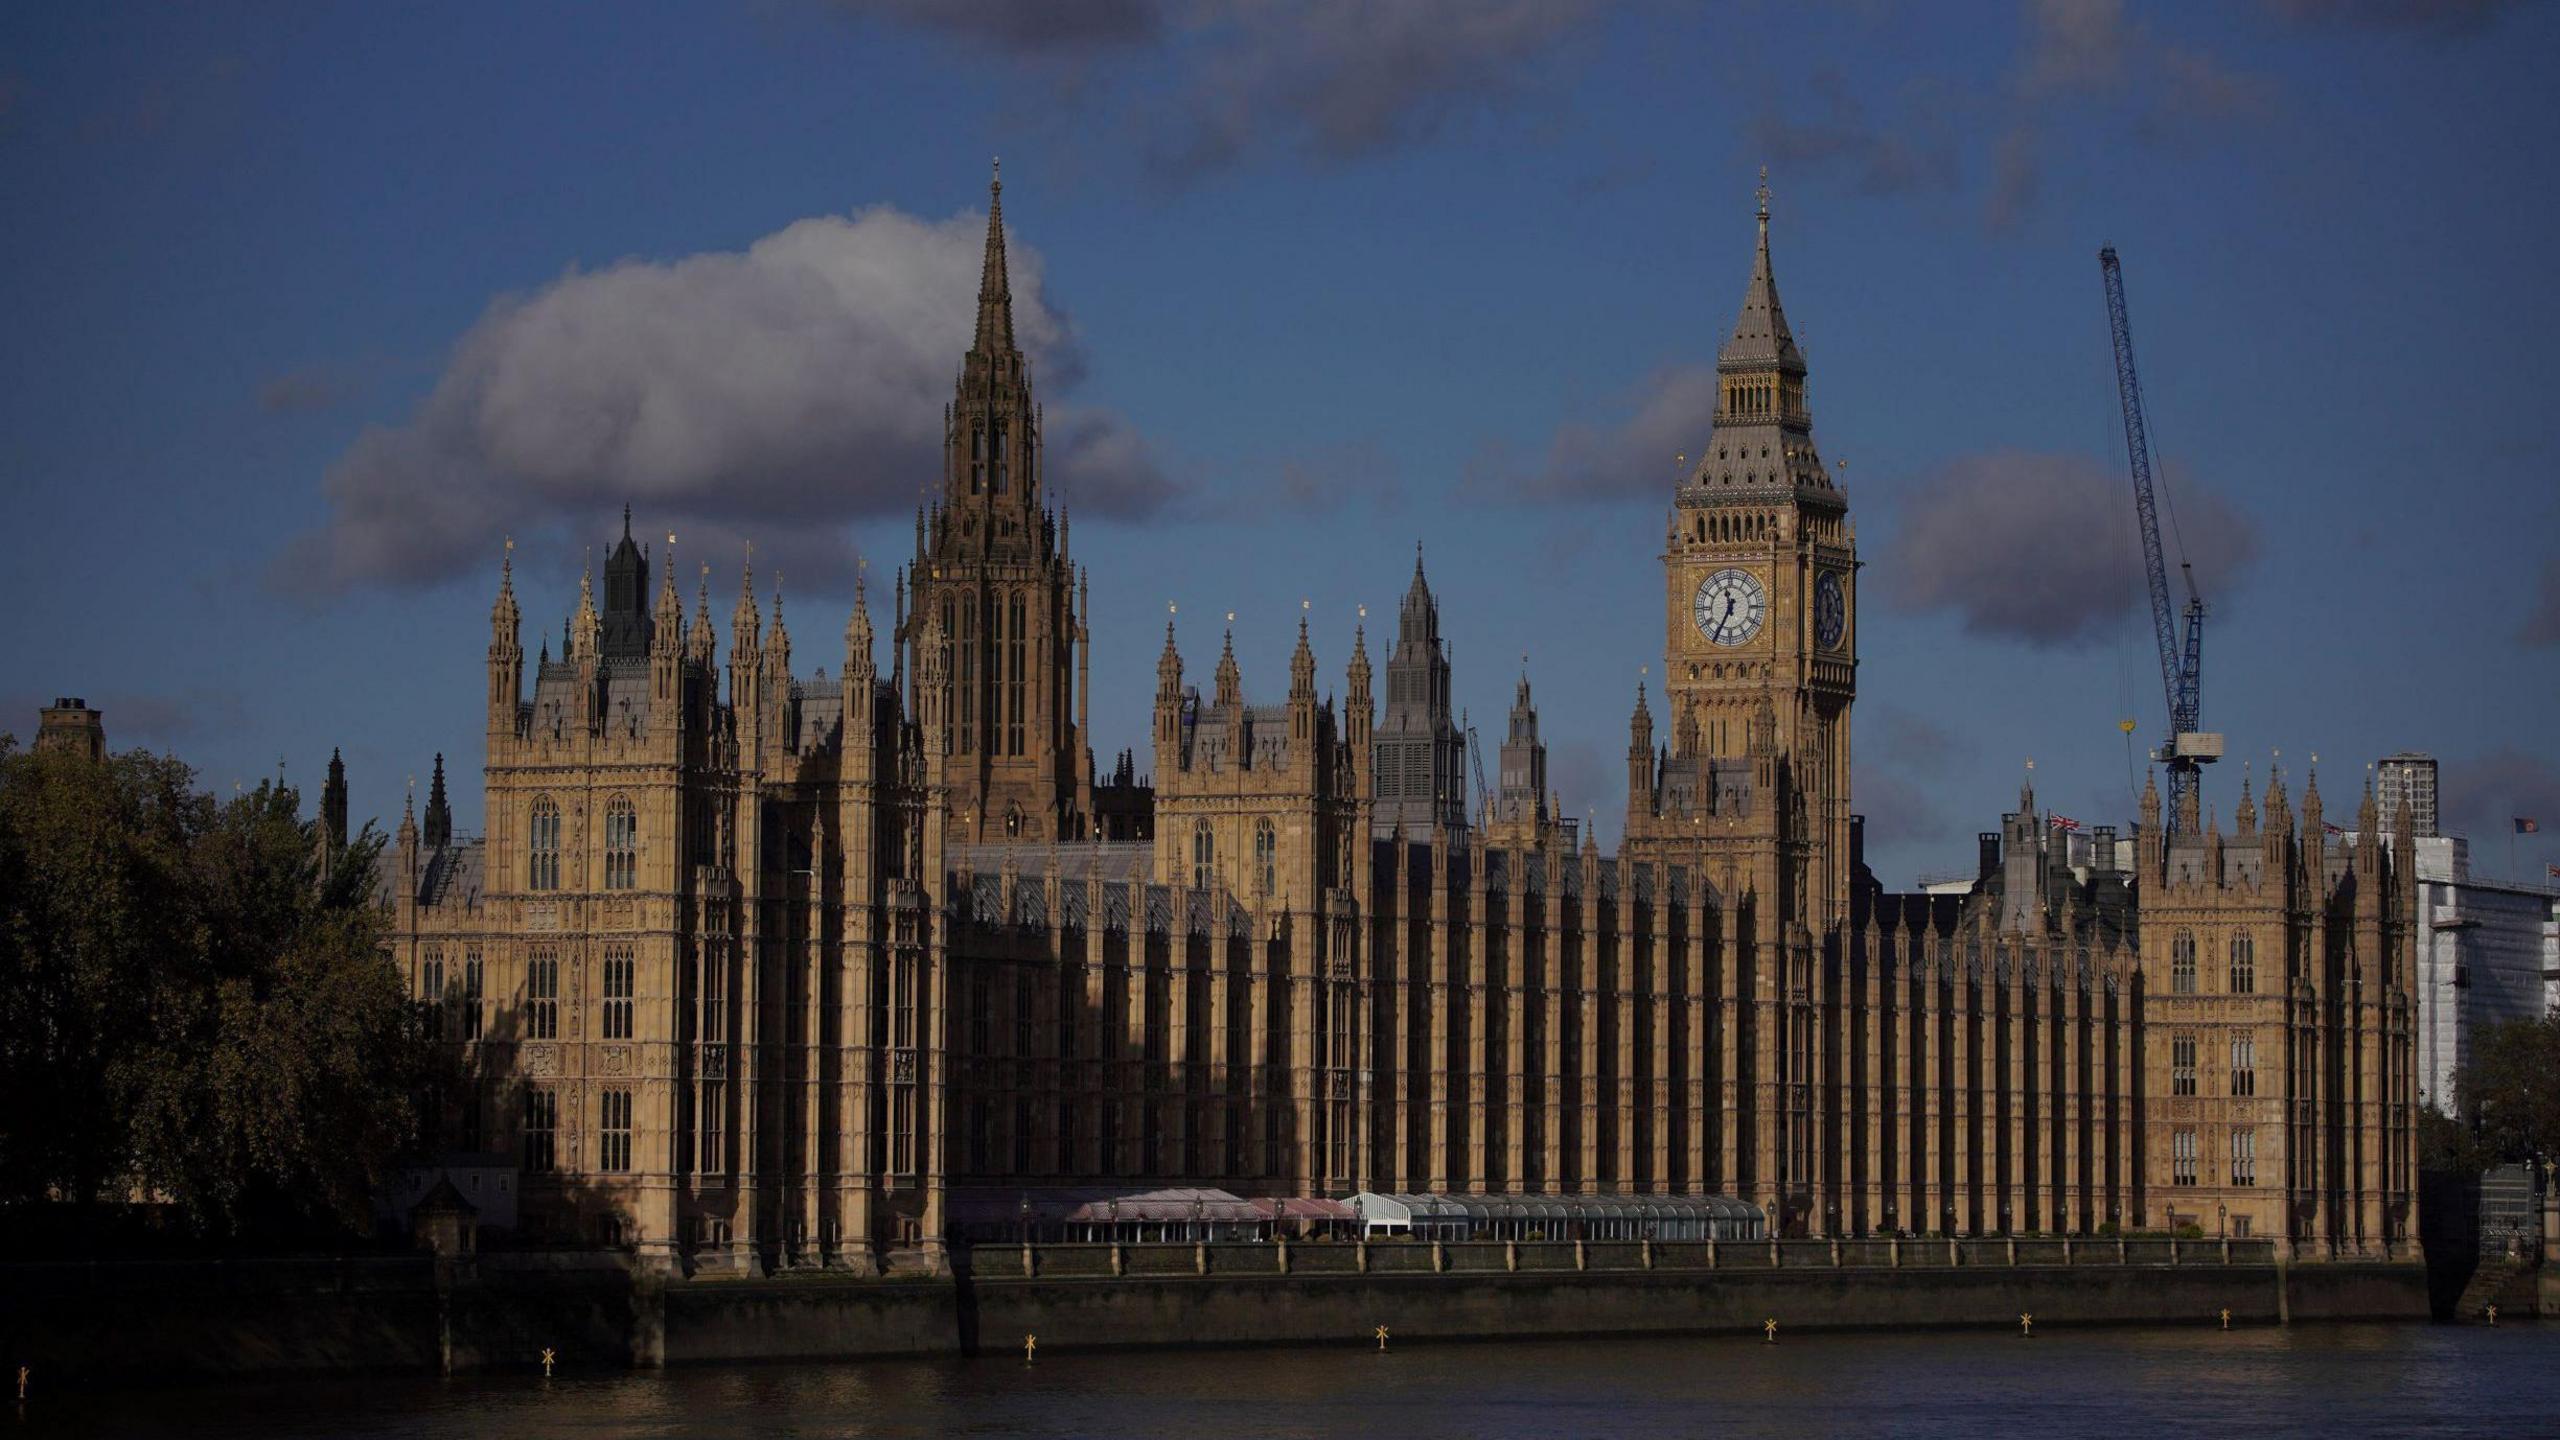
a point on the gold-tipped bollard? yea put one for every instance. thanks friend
(2027, 1326)
(1382, 1339)
(2493, 1315)
(2226, 1317)
(548, 1356)
(1030, 1346)
(1769, 1331)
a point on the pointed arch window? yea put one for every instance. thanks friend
(1013, 677)
(621, 844)
(2244, 965)
(1204, 855)
(1001, 460)
(2182, 963)
(542, 853)
(967, 689)
(1266, 856)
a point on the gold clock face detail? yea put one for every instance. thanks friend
(1729, 607)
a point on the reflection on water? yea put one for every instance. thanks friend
(2376, 1380)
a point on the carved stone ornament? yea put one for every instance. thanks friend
(541, 1060)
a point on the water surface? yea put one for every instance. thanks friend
(2403, 1380)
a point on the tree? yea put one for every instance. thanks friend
(193, 1005)
(2507, 1094)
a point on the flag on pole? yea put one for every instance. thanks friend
(2333, 829)
(2528, 827)
(2555, 871)
(2062, 821)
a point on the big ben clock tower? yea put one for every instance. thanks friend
(1761, 625)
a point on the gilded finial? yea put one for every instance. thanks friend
(1764, 192)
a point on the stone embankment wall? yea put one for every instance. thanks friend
(146, 1321)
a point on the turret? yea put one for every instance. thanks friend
(1639, 760)
(1302, 693)
(2315, 830)
(2146, 832)
(701, 647)
(438, 831)
(1355, 703)
(506, 650)
(777, 654)
(333, 801)
(585, 650)
(666, 651)
(746, 647)
(1168, 707)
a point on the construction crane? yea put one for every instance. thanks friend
(1484, 797)
(2190, 746)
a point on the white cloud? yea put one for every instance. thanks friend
(774, 393)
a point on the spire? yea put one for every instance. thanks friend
(700, 642)
(1640, 724)
(995, 287)
(858, 662)
(666, 630)
(1169, 666)
(439, 826)
(1760, 333)
(1230, 682)
(745, 620)
(584, 627)
(1302, 665)
(333, 800)
(503, 615)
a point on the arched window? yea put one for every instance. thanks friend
(621, 845)
(1266, 856)
(2182, 963)
(2244, 965)
(542, 869)
(1204, 855)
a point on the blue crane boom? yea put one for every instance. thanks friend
(2181, 668)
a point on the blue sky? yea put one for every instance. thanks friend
(307, 307)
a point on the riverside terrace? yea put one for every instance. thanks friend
(1194, 1215)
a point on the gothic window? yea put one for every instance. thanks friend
(617, 992)
(542, 996)
(715, 993)
(2244, 1065)
(543, 849)
(2244, 965)
(613, 1121)
(541, 1123)
(2182, 1065)
(1002, 468)
(977, 460)
(1266, 856)
(2182, 963)
(1013, 681)
(1204, 855)
(621, 845)
(431, 992)
(715, 1152)
(2244, 1157)
(902, 1130)
(967, 688)
(2183, 1158)
(471, 994)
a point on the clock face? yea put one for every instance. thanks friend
(1830, 611)
(1729, 606)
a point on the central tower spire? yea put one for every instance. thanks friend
(995, 285)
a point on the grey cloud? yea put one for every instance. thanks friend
(1909, 741)
(300, 392)
(2541, 628)
(1029, 28)
(2040, 548)
(1914, 149)
(1898, 811)
(1205, 84)
(2483, 796)
(1669, 413)
(785, 389)
(2437, 17)
(138, 718)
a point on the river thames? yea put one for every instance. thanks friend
(2327, 1381)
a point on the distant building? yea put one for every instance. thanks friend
(2408, 778)
(70, 727)
(2486, 953)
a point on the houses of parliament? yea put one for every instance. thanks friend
(757, 969)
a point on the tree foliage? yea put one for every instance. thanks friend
(2507, 1094)
(195, 1003)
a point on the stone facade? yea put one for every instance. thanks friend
(762, 973)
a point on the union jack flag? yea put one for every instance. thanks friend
(2333, 829)
(2528, 827)
(2062, 821)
